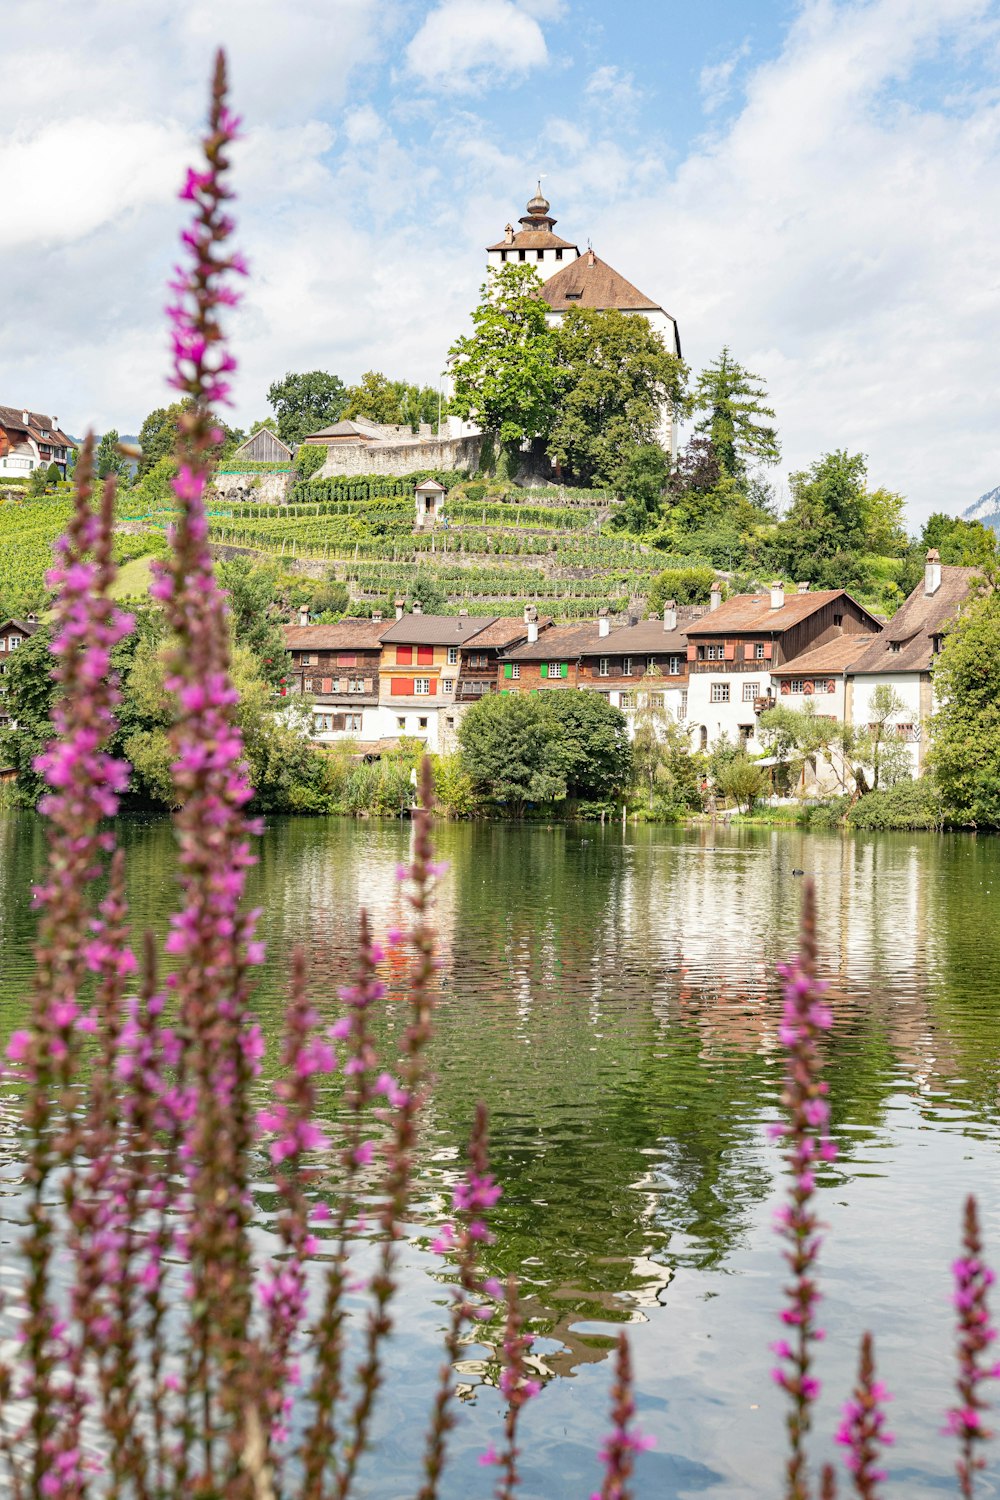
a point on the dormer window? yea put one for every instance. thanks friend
(894, 646)
(573, 296)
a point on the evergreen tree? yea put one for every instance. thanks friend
(734, 401)
(109, 460)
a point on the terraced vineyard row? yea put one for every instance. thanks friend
(27, 532)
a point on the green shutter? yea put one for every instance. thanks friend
(508, 669)
(564, 669)
(545, 669)
(534, 692)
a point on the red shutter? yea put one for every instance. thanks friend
(347, 659)
(768, 650)
(433, 686)
(327, 685)
(404, 656)
(692, 651)
(400, 687)
(729, 651)
(425, 656)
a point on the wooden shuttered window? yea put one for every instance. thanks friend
(400, 687)
(347, 659)
(425, 656)
(768, 650)
(508, 669)
(404, 656)
(729, 653)
(327, 684)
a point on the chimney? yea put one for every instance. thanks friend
(715, 598)
(591, 257)
(508, 234)
(670, 615)
(377, 616)
(418, 608)
(26, 417)
(777, 595)
(400, 606)
(932, 572)
(603, 623)
(803, 588)
(532, 631)
(303, 614)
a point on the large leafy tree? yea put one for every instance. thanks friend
(591, 746)
(737, 419)
(508, 753)
(255, 614)
(158, 436)
(965, 753)
(613, 377)
(398, 402)
(305, 402)
(968, 544)
(502, 372)
(828, 511)
(28, 693)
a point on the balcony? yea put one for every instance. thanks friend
(761, 705)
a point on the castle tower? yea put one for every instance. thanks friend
(534, 243)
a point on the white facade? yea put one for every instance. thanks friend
(545, 261)
(911, 723)
(631, 701)
(721, 704)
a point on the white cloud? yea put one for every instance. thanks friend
(716, 79)
(464, 42)
(610, 88)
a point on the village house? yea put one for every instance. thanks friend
(339, 666)
(639, 665)
(817, 681)
(29, 440)
(902, 656)
(261, 447)
(13, 634)
(481, 654)
(419, 674)
(734, 648)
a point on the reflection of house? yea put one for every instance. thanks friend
(29, 440)
(13, 634)
(902, 656)
(627, 664)
(733, 649)
(339, 666)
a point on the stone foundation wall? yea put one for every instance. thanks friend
(259, 488)
(402, 458)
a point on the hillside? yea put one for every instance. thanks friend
(985, 509)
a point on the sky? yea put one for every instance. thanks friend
(815, 183)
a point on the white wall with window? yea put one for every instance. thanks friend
(720, 705)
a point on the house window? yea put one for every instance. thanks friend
(422, 723)
(421, 685)
(452, 656)
(555, 669)
(356, 685)
(750, 691)
(516, 672)
(797, 685)
(894, 646)
(720, 692)
(673, 666)
(626, 700)
(682, 712)
(656, 700)
(13, 642)
(404, 656)
(558, 252)
(309, 659)
(522, 254)
(322, 723)
(650, 663)
(602, 667)
(758, 650)
(716, 653)
(503, 256)
(448, 684)
(539, 254)
(746, 733)
(905, 732)
(626, 666)
(352, 723)
(400, 722)
(935, 644)
(838, 619)
(573, 296)
(701, 653)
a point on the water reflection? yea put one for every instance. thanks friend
(612, 998)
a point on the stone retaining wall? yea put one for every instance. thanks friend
(400, 459)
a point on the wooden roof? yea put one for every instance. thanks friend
(751, 614)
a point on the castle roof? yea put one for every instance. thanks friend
(591, 282)
(536, 231)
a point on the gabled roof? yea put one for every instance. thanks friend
(533, 239)
(906, 644)
(560, 642)
(345, 635)
(436, 630)
(591, 282)
(12, 417)
(256, 433)
(506, 631)
(829, 660)
(24, 626)
(647, 637)
(751, 614)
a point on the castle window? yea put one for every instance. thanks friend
(522, 254)
(503, 255)
(559, 253)
(539, 254)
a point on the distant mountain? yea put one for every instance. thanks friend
(986, 509)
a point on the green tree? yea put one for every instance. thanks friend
(304, 403)
(108, 460)
(742, 780)
(375, 397)
(613, 378)
(38, 482)
(967, 544)
(642, 480)
(310, 459)
(590, 746)
(664, 768)
(28, 691)
(255, 614)
(683, 585)
(507, 751)
(53, 474)
(965, 750)
(158, 436)
(877, 757)
(734, 401)
(503, 371)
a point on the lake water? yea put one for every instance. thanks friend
(611, 996)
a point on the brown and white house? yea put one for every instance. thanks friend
(631, 665)
(338, 665)
(736, 648)
(30, 440)
(902, 656)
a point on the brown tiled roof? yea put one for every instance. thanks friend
(506, 631)
(832, 658)
(436, 630)
(560, 642)
(647, 637)
(13, 417)
(752, 613)
(598, 286)
(533, 239)
(914, 624)
(24, 626)
(346, 635)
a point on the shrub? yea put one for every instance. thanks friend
(908, 804)
(309, 460)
